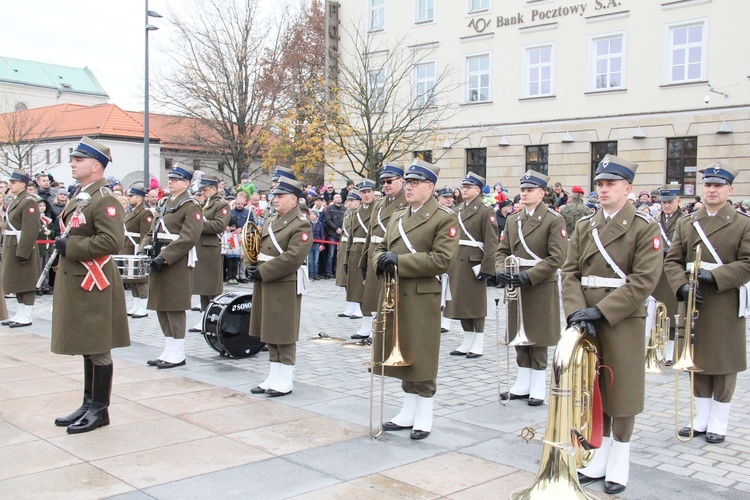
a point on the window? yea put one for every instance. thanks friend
(423, 155)
(20, 106)
(377, 15)
(598, 151)
(476, 161)
(425, 11)
(221, 166)
(539, 71)
(196, 164)
(536, 158)
(608, 62)
(59, 155)
(424, 84)
(167, 163)
(682, 161)
(478, 78)
(47, 155)
(478, 6)
(377, 90)
(687, 52)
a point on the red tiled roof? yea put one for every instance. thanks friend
(175, 132)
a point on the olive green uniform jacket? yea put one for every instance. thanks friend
(720, 341)
(170, 289)
(433, 231)
(381, 214)
(355, 289)
(208, 277)
(346, 231)
(633, 241)
(276, 310)
(23, 215)
(96, 321)
(138, 223)
(3, 307)
(663, 292)
(469, 295)
(546, 236)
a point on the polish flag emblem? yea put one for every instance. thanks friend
(111, 211)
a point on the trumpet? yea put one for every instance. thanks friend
(513, 294)
(657, 340)
(686, 362)
(388, 314)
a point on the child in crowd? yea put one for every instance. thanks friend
(318, 230)
(230, 247)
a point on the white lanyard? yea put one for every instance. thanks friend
(606, 256)
(362, 224)
(523, 242)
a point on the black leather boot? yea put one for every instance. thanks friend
(88, 380)
(97, 414)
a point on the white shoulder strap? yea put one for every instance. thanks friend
(359, 218)
(708, 244)
(380, 221)
(523, 242)
(607, 257)
(463, 228)
(664, 235)
(403, 235)
(273, 238)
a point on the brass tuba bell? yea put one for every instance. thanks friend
(251, 241)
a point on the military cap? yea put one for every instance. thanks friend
(473, 179)
(421, 170)
(615, 168)
(89, 148)
(177, 172)
(391, 170)
(283, 172)
(366, 185)
(534, 179)
(353, 195)
(20, 176)
(718, 173)
(209, 180)
(446, 191)
(669, 192)
(289, 186)
(137, 191)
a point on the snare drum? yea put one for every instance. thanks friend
(226, 325)
(133, 268)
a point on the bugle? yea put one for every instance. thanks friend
(388, 313)
(657, 340)
(686, 333)
(513, 294)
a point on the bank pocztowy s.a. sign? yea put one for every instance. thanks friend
(542, 15)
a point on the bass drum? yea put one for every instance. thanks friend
(226, 325)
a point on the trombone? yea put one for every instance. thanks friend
(513, 294)
(657, 340)
(388, 313)
(687, 334)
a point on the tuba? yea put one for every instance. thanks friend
(657, 340)
(251, 241)
(388, 313)
(572, 423)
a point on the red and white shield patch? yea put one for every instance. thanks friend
(149, 219)
(452, 232)
(111, 211)
(564, 233)
(32, 210)
(492, 218)
(223, 211)
(305, 237)
(197, 216)
(656, 243)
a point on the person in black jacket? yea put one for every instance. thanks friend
(333, 218)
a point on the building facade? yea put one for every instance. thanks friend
(555, 85)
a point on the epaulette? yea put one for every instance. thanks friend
(105, 191)
(302, 217)
(586, 217)
(31, 197)
(446, 209)
(743, 213)
(644, 216)
(553, 212)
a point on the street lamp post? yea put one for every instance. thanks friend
(146, 175)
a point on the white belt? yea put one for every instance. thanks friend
(135, 235)
(358, 240)
(708, 266)
(264, 258)
(165, 236)
(469, 243)
(527, 262)
(376, 239)
(344, 239)
(8, 232)
(599, 282)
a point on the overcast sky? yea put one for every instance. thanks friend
(105, 35)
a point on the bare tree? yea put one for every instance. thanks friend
(21, 135)
(225, 74)
(389, 102)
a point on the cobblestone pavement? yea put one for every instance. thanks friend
(333, 381)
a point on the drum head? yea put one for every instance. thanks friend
(211, 322)
(233, 326)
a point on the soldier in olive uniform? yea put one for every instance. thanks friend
(719, 335)
(171, 242)
(537, 238)
(89, 315)
(286, 239)
(475, 263)
(669, 197)
(420, 244)
(137, 224)
(575, 209)
(351, 203)
(392, 179)
(20, 252)
(355, 247)
(445, 198)
(614, 261)
(208, 275)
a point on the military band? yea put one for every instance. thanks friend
(137, 224)
(536, 236)
(720, 338)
